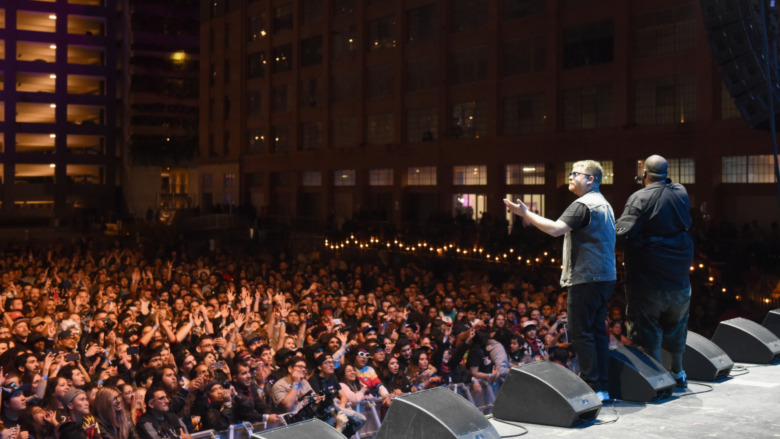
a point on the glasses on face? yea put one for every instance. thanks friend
(574, 174)
(363, 354)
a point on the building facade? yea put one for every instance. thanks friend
(400, 110)
(57, 107)
(159, 68)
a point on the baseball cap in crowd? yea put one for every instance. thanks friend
(13, 389)
(38, 320)
(19, 321)
(61, 308)
(244, 356)
(70, 395)
(447, 320)
(529, 326)
(367, 329)
(254, 338)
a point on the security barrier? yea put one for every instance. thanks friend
(370, 408)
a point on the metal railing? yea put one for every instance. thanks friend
(370, 408)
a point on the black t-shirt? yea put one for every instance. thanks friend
(576, 216)
(481, 360)
(318, 383)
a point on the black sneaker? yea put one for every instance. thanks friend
(680, 378)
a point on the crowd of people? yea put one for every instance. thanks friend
(110, 342)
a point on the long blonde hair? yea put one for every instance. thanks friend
(112, 420)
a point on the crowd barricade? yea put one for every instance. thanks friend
(370, 408)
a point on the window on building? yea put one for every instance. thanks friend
(226, 144)
(420, 74)
(255, 64)
(280, 98)
(728, 109)
(380, 81)
(254, 102)
(311, 51)
(535, 203)
(226, 108)
(343, 87)
(311, 136)
(344, 43)
(522, 8)
(344, 177)
(679, 170)
(525, 55)
(311, 11)
(468, 14)
(380, 177)
(344, 132)
(212, 146)
(469, 175)
(666, 30)
(379, 128)
(257, 27)
(748, 169)
(421, 176)
(607, 176)
(229, 180)
(526, 174)
(281, 179)
(422, 23)
(468, 65)
(255, 141)
(668, 100)
(311, 178)
(310, 93)
(208, 181)
(469, 205)
(588, 108)
(469, 120)
(282, 138)
(588, 44)
(226, 36)
(422, 124)
(524, 114)
(255, 179)
(343, 7)
(282, 58)
(381, 33)
(283, 18)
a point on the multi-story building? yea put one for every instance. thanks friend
(314, 108)
(160, 48)
(57, 107)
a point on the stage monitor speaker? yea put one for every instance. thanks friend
(438, 413)
(545, 393)
(634, 376)
(703, 360)
(736, 33)
(311, 429)
(747, 342)
(772, 322)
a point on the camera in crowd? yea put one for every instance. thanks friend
(322, 410)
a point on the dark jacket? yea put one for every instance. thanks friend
(155, 424)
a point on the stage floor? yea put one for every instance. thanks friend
(742, 406)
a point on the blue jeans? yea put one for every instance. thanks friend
(657, 319)
(587, 329)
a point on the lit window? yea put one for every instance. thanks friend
(344, 177)
(311, 178)
(421, 176)
(531, 173)
(380, 177)
(469, 175)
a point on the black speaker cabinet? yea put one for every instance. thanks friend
(437, 413)
(747, 342)
(772, 322)
(313, 428)
(634, 376)
(703, 360)
(545, 393)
